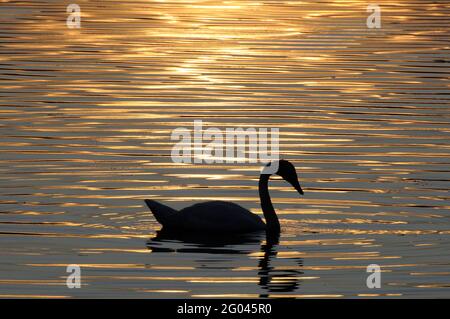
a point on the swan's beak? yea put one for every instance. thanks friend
(299, 189)
(297, 186)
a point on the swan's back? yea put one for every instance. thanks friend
(210, 217)
(219, 216)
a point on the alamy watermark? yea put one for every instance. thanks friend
(74, 19)
(374, 19)
(374, 279)
(74, 278)
(234, 145)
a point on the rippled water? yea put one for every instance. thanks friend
(86, 116)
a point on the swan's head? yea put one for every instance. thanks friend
(285, 170)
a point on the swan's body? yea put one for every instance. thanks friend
(226, 217)
(214, 216)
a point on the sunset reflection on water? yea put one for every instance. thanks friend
(86, 117)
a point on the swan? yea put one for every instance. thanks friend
(219, 217)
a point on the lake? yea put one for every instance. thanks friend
(86, 117)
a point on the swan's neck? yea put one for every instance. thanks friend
(273, 225)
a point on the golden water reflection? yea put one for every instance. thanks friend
(86, 117)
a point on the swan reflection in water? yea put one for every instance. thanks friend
(271, 279)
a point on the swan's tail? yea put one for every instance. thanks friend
(163, 214)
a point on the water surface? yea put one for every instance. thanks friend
(86, 117)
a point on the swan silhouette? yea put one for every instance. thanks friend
(226, 217)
